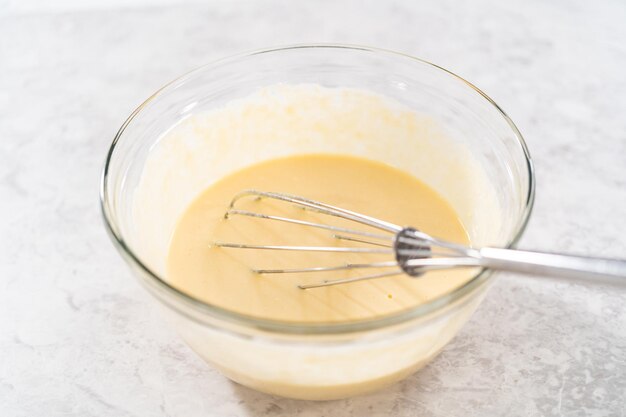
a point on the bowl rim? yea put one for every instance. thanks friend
(296, 328)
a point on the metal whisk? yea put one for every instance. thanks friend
(415, 252)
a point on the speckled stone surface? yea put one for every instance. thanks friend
(78, 336)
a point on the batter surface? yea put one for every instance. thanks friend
(223, 276)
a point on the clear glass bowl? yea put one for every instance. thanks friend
(333, 360)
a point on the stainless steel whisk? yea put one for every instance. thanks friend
(416, 252)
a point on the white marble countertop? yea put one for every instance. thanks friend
(79, 337)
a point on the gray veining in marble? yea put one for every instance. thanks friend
(78, 336)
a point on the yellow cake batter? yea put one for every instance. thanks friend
(223, 276)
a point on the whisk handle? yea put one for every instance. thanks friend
(576, 268)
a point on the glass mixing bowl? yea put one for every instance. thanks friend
(325, 360)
